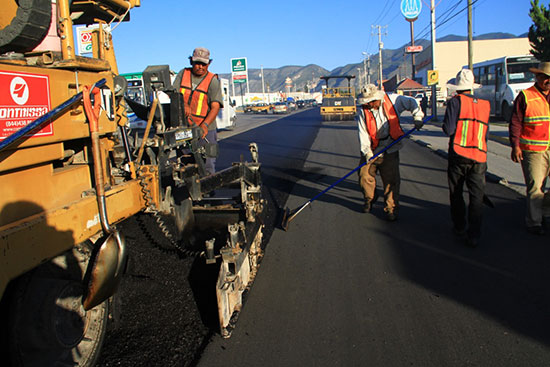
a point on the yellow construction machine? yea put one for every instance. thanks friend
(338, 102)
(70, 174)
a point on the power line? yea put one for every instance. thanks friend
(449, 18)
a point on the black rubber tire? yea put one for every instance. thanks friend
(28, 28)
(47, 325)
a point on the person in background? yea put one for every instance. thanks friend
(529, 137)
(466, 122)
(202, 98)
(379, 125)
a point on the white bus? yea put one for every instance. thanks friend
(502, 79)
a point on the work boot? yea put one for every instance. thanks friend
(367, 207)
(472, 242)
(538, 230)
(391, 216)
(459, 232)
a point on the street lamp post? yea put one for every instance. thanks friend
(365, 57)
(263, 87)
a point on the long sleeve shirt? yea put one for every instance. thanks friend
(400, 103)
(515, 126)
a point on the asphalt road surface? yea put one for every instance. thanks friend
(345, 288)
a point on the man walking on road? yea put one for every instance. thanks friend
(379, 125)
(466, 122)
(202, 98)
(529, 137)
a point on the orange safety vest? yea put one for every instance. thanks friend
(196, 99)
(470, 139)
(536, 122)
(393, 119)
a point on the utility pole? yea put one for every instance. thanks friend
(368, 70)
(413, 71)
(470, 38)
(434, 86)
(380, 47)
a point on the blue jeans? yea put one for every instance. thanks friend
(210, 162)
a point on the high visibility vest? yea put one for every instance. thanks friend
(196, 100)
(470, 139)
(536, 122)
(393, 119)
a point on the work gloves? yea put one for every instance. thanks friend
(418, 123)
(368, 155)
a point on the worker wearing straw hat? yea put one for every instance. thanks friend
(529, 133)
(466, 122)
(379, 126)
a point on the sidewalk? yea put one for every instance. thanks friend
(500, 167)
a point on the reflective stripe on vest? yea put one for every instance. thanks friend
(196, 99)
(470, 139)
(535, 130)
(393, 119)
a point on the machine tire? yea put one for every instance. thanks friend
(28, 28)
(47, 324)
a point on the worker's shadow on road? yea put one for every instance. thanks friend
(505, 278)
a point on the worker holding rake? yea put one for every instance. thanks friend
(379, 126)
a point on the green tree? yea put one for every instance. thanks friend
(539, 31)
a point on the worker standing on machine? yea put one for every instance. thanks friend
(379, 125)
(203, 99)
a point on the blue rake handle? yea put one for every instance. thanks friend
(357, 168)
(41, 121)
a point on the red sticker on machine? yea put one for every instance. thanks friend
(23, 98)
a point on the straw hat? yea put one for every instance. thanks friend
(369, 93)
(544, 68)
(464, 81)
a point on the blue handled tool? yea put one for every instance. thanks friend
(289, 215)
(46, 118)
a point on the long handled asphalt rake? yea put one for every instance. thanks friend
(289, 215)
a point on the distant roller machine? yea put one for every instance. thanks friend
(338, 102)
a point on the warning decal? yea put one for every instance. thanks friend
(23, 99)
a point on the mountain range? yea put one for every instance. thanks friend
(306, 78)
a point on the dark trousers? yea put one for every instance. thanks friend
(460, 171)
(210, 162)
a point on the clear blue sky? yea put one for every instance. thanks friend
(278, 33)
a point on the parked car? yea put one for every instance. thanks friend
(262, 108)
(301, 103)
(247, 108)
(292, 106)
(280, 107)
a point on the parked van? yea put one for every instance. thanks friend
(227, 117)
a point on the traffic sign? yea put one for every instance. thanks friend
(411, 9)
(433, 77)
(413, 49)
